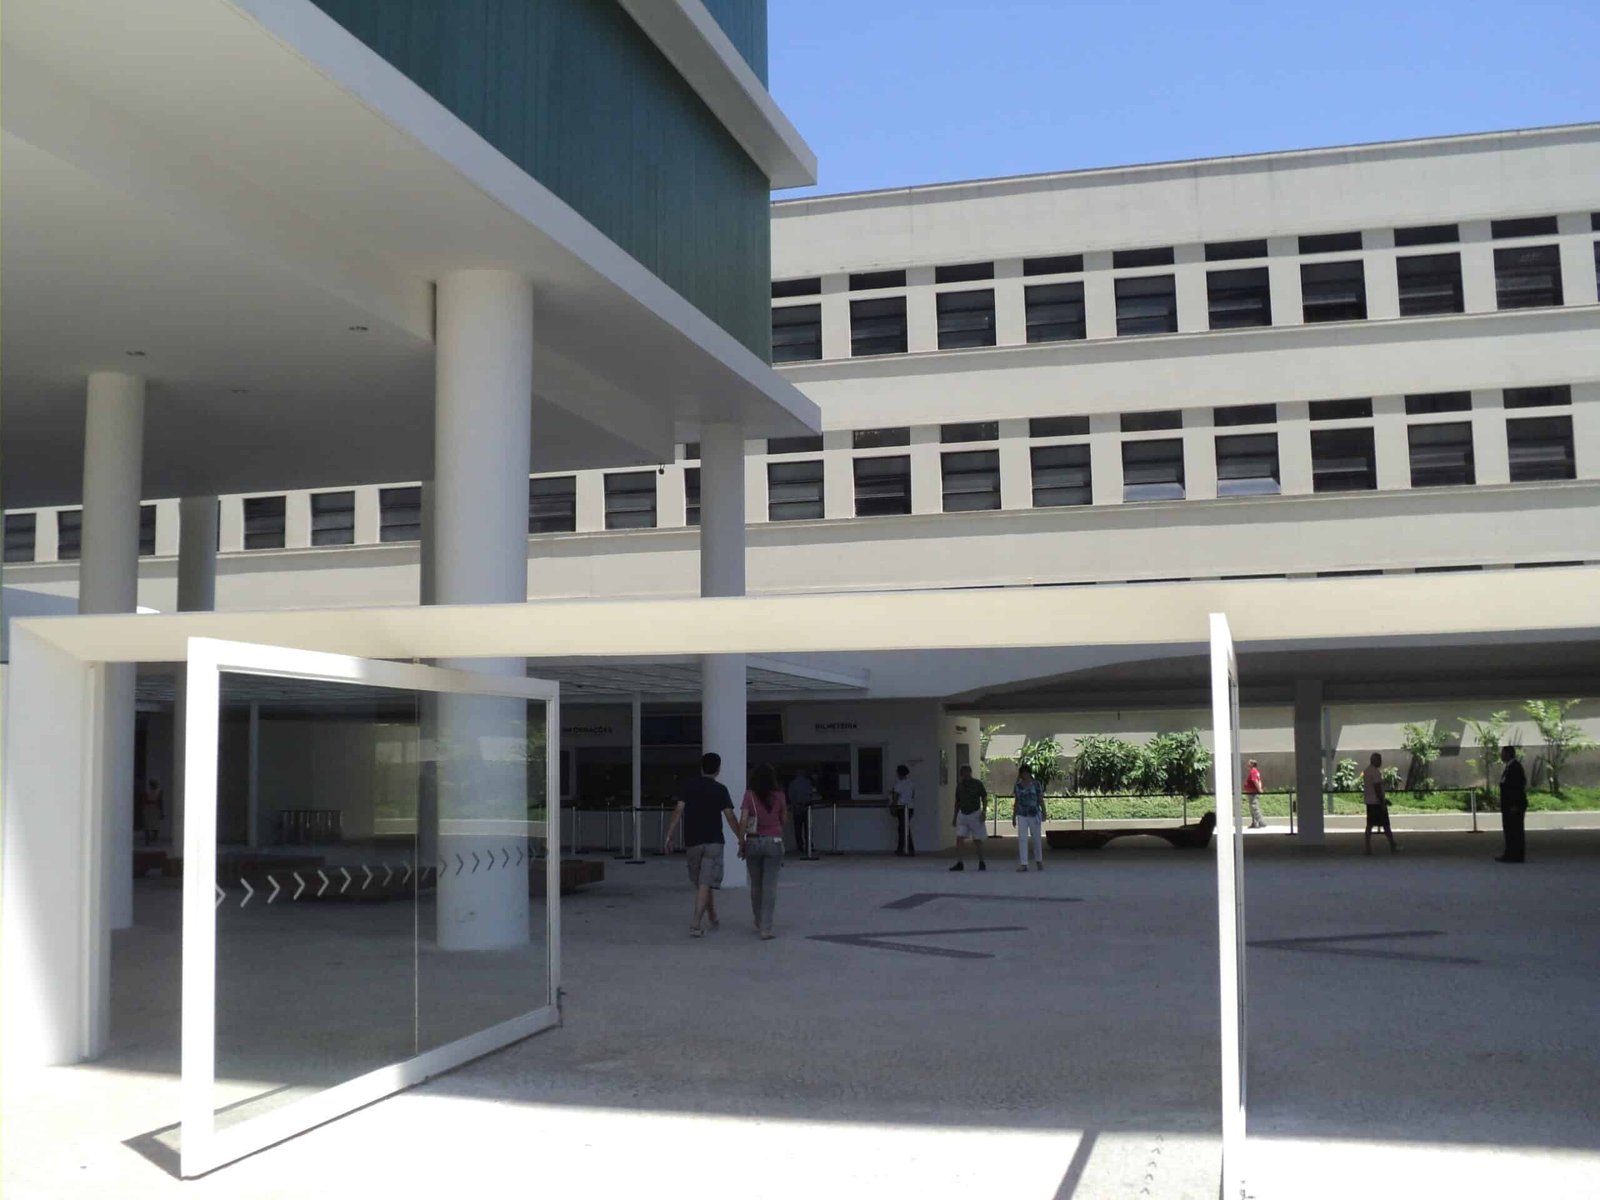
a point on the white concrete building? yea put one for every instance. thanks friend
(1361, 360)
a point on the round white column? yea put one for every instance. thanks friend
(722, 676)
(479, 555)
(197, 592)
(108, 582)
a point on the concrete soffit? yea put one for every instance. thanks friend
(692, 41)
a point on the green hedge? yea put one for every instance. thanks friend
(1276, 804)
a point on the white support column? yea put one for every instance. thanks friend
(113, 465)
(1105, 458)
(1190, 289)
(1477, 268)
(1491, 456)
(1283, 277)
(198, 530)
(1308, 760)
(1199, 454)
(482, 432)
(637, 735)
(927, 470)
(722, 676)
(1382, 275)
(1016, 465)
(252, 801)
(1099, 299)
(1391, 443)
(1294, 448)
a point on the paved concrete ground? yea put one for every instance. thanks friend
(1077, 1058)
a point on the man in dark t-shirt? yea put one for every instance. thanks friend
(1513, 806)
(703, 805)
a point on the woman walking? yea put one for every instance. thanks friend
(762, 818)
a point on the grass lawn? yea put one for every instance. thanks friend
(1276, 804)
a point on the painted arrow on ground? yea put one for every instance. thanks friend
(368, 882)
(275, 889)
(880, 941)
(1338, 944)
(248, 892)
(299, 889)
(921, 898)
(475, 863)
(388, 874)
(406, 878)
(505, 858)
(459, 864)
(345, 871)
(221, 895)
(324, 886)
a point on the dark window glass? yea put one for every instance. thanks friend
(863, 281)
(400, 514)
(1239, 299)
(783, 288)
(763, 729)
(963, 272)
(869, 771)
(877, 439)
(69, 533)
(971, 480)
(333, 518)
(1245, 414)
(1061, 476)
(1541, 448)
(553, 504)
(878, 326)
(1055, 312)
(794, 491)
(691, 452)
(1516, 227)
(147, 529)
(1538, 397)
(1328, 243)
(1152, 470)
(1060, 264)
(264, 523)
(970, 431)
(1146, 304)
(1446, 570)
(1594, 221)
(883, 486)
(1247, 465)
(1340, 410)
(1441, 455)
(22, 531)
(966, 319)
(797, 333)
(1147, 422)
(691, 496)
(1225, 251)
(1343, 460)
(1426, 235)
(1429, 283)
(794, 445)
(1040, 427)
(1527, 276)
(1333, 291)
(631, 500)
(1438, 402)
(1159, 256)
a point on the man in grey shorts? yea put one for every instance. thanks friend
(701, 802)
(971, 799)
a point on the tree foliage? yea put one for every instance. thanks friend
(1562, 737)
(1423, 741)
(1488, 735)
(1170, 764)
(1043, 757)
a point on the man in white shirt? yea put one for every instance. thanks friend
(904, 802)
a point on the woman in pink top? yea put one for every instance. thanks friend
(762, 820)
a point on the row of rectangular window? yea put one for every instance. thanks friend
(1540, 448)
(1161, 256)
(1237, 298)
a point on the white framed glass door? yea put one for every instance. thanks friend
(1230, 902)
(371, 883)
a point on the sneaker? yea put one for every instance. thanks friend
(1038, 866)
(696, 931)
(714, 923)
(1023, 868)
(767, 937)
(982, 866)
(960, 866)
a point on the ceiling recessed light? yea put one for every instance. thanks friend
(358, 329)
(134, 353)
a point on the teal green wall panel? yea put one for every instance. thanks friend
(574, 92)
(745, 23)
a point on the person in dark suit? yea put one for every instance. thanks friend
(1513, 806)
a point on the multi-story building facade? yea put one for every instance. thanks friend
(1368, 360)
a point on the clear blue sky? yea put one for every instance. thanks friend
(898, 92)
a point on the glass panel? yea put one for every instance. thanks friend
(1429, 283)
(1055, 312)
(796, 333)
(400, 514)
(333, 519)
(1527, 276)
(794, 491)
(1441, 455)
(965, 319)
(1061, 476)
(21, 529)
(1152, 470)
(316, 820)
(1247, 465)
(1146, 304)
(1333, 291)
(878, 326)
(1342, 460)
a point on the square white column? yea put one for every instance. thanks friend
(755, 482)
(1294, 448)
(1283, 277)
(1016, 467)
(1578, 282)
(366, 515)
(927, 479)
(838, 476)
(1491, 458)
(1099, 296)
(1105, 458)
(1194, 305)
(1199, 455)
(835, 301)
(1477, 268)
(922, 322)
(1390, 444)
(1383, 284)
(589, 501)
(1010, 308)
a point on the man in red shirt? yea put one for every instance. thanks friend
(1252, 790)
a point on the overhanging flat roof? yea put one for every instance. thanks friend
(242, 202)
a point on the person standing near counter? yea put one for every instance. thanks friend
(801, 794)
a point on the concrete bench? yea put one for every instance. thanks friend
(1183, 837)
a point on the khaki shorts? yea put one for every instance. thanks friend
(705, 865)
(970, 825)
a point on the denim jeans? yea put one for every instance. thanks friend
(764, 858)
